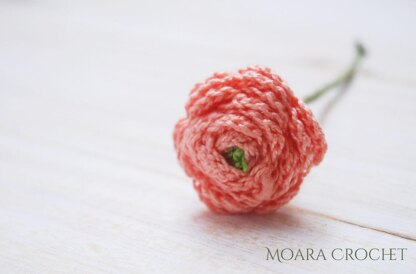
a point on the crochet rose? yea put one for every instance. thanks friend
(247, 141)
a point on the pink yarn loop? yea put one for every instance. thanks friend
(254, 110)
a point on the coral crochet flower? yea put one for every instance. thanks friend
(247, 141)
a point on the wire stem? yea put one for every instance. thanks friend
(344, 78)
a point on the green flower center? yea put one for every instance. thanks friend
(235, 157)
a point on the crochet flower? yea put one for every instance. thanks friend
(247, 141)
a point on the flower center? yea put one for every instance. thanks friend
(235, 157)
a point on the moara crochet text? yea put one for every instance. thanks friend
(336, 254)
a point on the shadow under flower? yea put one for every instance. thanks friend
(288, 219)
(289, 227)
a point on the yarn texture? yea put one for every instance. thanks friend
(255, 111)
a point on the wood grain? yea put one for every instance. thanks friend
(89, 94)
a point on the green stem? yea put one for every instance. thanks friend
(344, 78)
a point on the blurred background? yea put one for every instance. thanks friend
(90, 92)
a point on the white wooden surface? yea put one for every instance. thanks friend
(90, 92)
